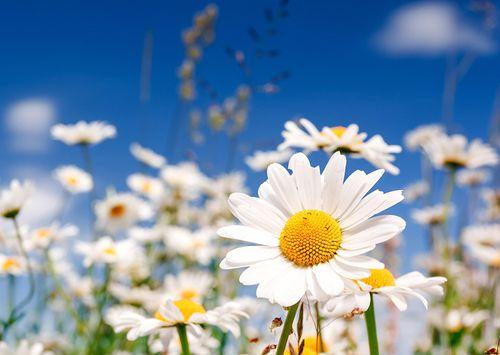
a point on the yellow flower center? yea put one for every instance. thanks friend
(117, 211)
(110, 251)
(147, 186)
(379, 278)
(186, 307)
(188, 294)
(72, 181)
(9, 264)
(44, 233)
(338, 130)
(310, 237)
(312, 346)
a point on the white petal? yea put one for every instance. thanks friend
(328, 279)
(350, 272)
(284, 187)
(361, 261)
(333, 177)
(249, 255)
(308, 181)
(249, 234)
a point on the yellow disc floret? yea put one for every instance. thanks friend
(338, 130)
(312, 346)
(186, 307)
(189, 294)
(310, 237)
(380, 278)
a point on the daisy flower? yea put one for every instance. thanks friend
(147, 156)
(74, 179)
(197, 246)
(311, 230)
(184, 178)
(13, 198)
(224, 185)
(180, 312)
(147, 235)
(11, 265)
(147, 186)
(492, 199)
(121, 211)
(455, 152)
(472, 178)
(104, 250)
(418, 137)
(260, 160)
(44, 236)
(415, 191)
(306, 136)
(83, 132)
(24, 348)
(484, 243)
(356, 297)
(432, 215)
(188, 285)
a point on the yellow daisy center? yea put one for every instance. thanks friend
(310, 237)
(188, 294)
(72, 181)
(338, 130)
(147, 186)
(379, 278)
(110, 251)
(9, 264)
(117, 211)
(186, 307)
(311, 347)
(43, 233)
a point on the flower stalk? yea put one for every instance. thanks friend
(287, 328)
(181, 330)
(371, 327)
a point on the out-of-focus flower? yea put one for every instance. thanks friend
(147, 235)
(184, 178)
(484, 243)
(418, 137)
(432, 215)
(42, 237)
(24, 348)
(13, 198)
(455, 320)
(455, 152)
(492, 199)
(184, 312)
(121, 211)
(223, 185)
(188, 285)
(11, 265)
(147, 186)
(260, 160)
(74, 179)
(346, 140)
(83, 132)
(415, 191)
(311, 230)
(196, 246)
(105, 250)
(356, 297)
(468, 177)
(147, 156)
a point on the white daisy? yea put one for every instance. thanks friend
(224, 185)
(455, 152)
(455, 320)
(260, 160)
(432, 215)
(415, 191)
(468, 177)
(200, 344)
(121, 211)
(147, 156)
(104, 250)
(181, 312)
(13, 198)
(197, 246)
(311, 230)
(418, 137)
(147, 235)
(11, 265)
(484, 243)
(74, 179)
(306, 137)
(24, 348)
(83, 132)
(189, 285)
(356, 297)
(492, 199)
(377, 152)
(184, 178)
(42, 237)
(147, 186)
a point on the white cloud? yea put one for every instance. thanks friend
(28, 122)
(431, 28)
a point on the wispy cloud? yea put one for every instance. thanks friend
(431, 28)
(28, 123)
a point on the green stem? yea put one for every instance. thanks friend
(371, 327)
(181, 330)
(319, 337)
(287, 328)
(11, 291)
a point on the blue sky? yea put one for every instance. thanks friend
(85, 58)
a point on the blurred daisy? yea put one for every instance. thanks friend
(181, 312)
(145, 185)
(11, 265)
(44, 236)
(260, 160)
(83, 132)
(184, 178)
(356, 297)
(121, 211)
(455, 320)
(484, 243)
(147, 235)
(455, 152)
(147, 156)
(432, 215)
(472, 178)
(104, 250)
(13, 198)
(74, 179)
(188, 285)
(418, 137)
(415, 191)
(377, 152)
(200, 344)
(306, 136)
(196, 246)
(224, 185)
(492, 199)
(311, 230)
(24, 348)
